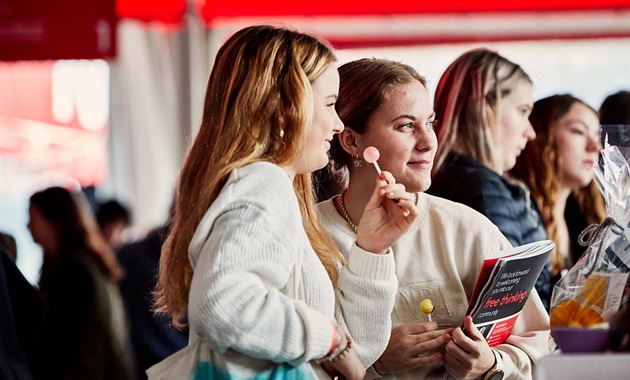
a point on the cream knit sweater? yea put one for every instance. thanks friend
(243, 255)
(440, 258)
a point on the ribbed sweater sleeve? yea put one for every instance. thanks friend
(366, 292)
(243, 254)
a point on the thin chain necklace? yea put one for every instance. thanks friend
(342, 205)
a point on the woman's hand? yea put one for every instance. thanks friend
(408, 347)
(389, 213)
(349, 367)
(468, 355)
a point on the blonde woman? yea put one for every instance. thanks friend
(244, 217)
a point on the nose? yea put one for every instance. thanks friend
(425, 140)
(530, 134)
(337, 123)
(592, 144)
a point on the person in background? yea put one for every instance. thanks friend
(615, 109)
(83, 334)
(113, 218)
(153, 337)
(21, 315)
(614, 117)
(386, 104)
(557, 167)
(244, 220)
(482, 103)
(8, 243)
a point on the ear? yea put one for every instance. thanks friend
(348, 141)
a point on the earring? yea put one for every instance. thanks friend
(357, 161)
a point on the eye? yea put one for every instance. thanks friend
(330, 104)
(577, 131)
(407, 126)
(430, 124)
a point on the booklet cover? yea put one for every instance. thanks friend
(504, 284)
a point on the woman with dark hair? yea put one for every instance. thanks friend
(84, 334)
(557, 167)
(482, 102)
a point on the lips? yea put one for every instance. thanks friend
(421, 164)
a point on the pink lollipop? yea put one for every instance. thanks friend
(371, 155)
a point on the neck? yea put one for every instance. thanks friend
(561, 203)
(356, 196)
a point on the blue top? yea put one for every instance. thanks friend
(507, 204)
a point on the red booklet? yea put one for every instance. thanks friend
(504, 284)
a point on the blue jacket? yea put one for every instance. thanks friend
(507, 204)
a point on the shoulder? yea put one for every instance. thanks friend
(460, 216)
(257, 194)
(261, 184)
(461, 177)
(259, 180)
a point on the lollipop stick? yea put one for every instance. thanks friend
(371, 155)
(378, 169)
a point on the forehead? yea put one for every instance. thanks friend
(410, 98)
(581, 113)
(522, 92)
(328, 82)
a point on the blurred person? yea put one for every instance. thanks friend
(83, 335)
(113, 218)
(20, 318)
(153, 337)
(482, 103)
(386, 104)
(615, 109)
(557, 167)
(244, 223)
(614, 114)
(8, 243)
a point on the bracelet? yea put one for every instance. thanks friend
(338, 353)
(343, 353)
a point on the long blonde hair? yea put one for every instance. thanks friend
(465, 102)
(258, 107)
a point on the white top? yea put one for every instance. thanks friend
(440, 258)
(243, 254)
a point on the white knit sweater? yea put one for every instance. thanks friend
(243, 254)
(440, 258)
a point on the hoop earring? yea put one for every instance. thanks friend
(357, 161)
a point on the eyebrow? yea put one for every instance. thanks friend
(432, 116)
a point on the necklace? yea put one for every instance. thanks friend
(344, 212)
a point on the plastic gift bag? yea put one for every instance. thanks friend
(593, 291)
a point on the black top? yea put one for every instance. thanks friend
(152, 336)
(21, 316)
(506, 203)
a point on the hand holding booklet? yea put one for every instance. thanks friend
(504, 284)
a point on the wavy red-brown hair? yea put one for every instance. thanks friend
(540, 168)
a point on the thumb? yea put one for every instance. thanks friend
(471, 330)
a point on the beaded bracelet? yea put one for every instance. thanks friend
(338, 353)
(343, 353)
